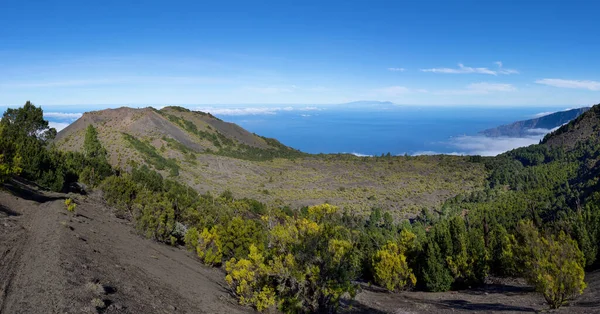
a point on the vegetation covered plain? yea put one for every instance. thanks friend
(213, 156)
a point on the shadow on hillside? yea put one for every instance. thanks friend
(8, 212)
(470, 306)
(28, 190)
(594, 304)
(484, 307)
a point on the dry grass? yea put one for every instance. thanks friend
(98, 303)
(402, 185)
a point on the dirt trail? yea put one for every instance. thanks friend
(39, 272)
(52, 261)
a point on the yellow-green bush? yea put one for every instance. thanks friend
(70, 204)
(308, 267)
(554, 264)
(391, 268)
(246, 279)
(209, 248)
(9, 169)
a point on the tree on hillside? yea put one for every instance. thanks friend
(8, 167)
(93, 150)
(435, 275)
(27, 121)
(25, 134)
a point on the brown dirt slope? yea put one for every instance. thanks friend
(52, 261)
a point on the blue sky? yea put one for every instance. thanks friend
(487, 53)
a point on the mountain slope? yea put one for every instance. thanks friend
(584, 127)
(175, 130)
(211, 155)
(528, 127)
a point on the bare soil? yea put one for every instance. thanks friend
(53, 261)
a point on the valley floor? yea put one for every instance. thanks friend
(52, 261)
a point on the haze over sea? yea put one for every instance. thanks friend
(377, 130)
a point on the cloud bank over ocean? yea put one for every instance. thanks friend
(60, 120)
(253, 111)
(490, 146)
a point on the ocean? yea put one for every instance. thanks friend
(399, 130)
(402, 130)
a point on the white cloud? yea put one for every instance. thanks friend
(541, 131)
(462, 69)
(359, 155)
(397, 69)
(58, 125)
(489, 146)
(309, 108)
(542, 114)
(508, 71)
(589, 85)
(502, 70)
(63, 115)
(492, 146)
(430, 152)
(252, 111)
